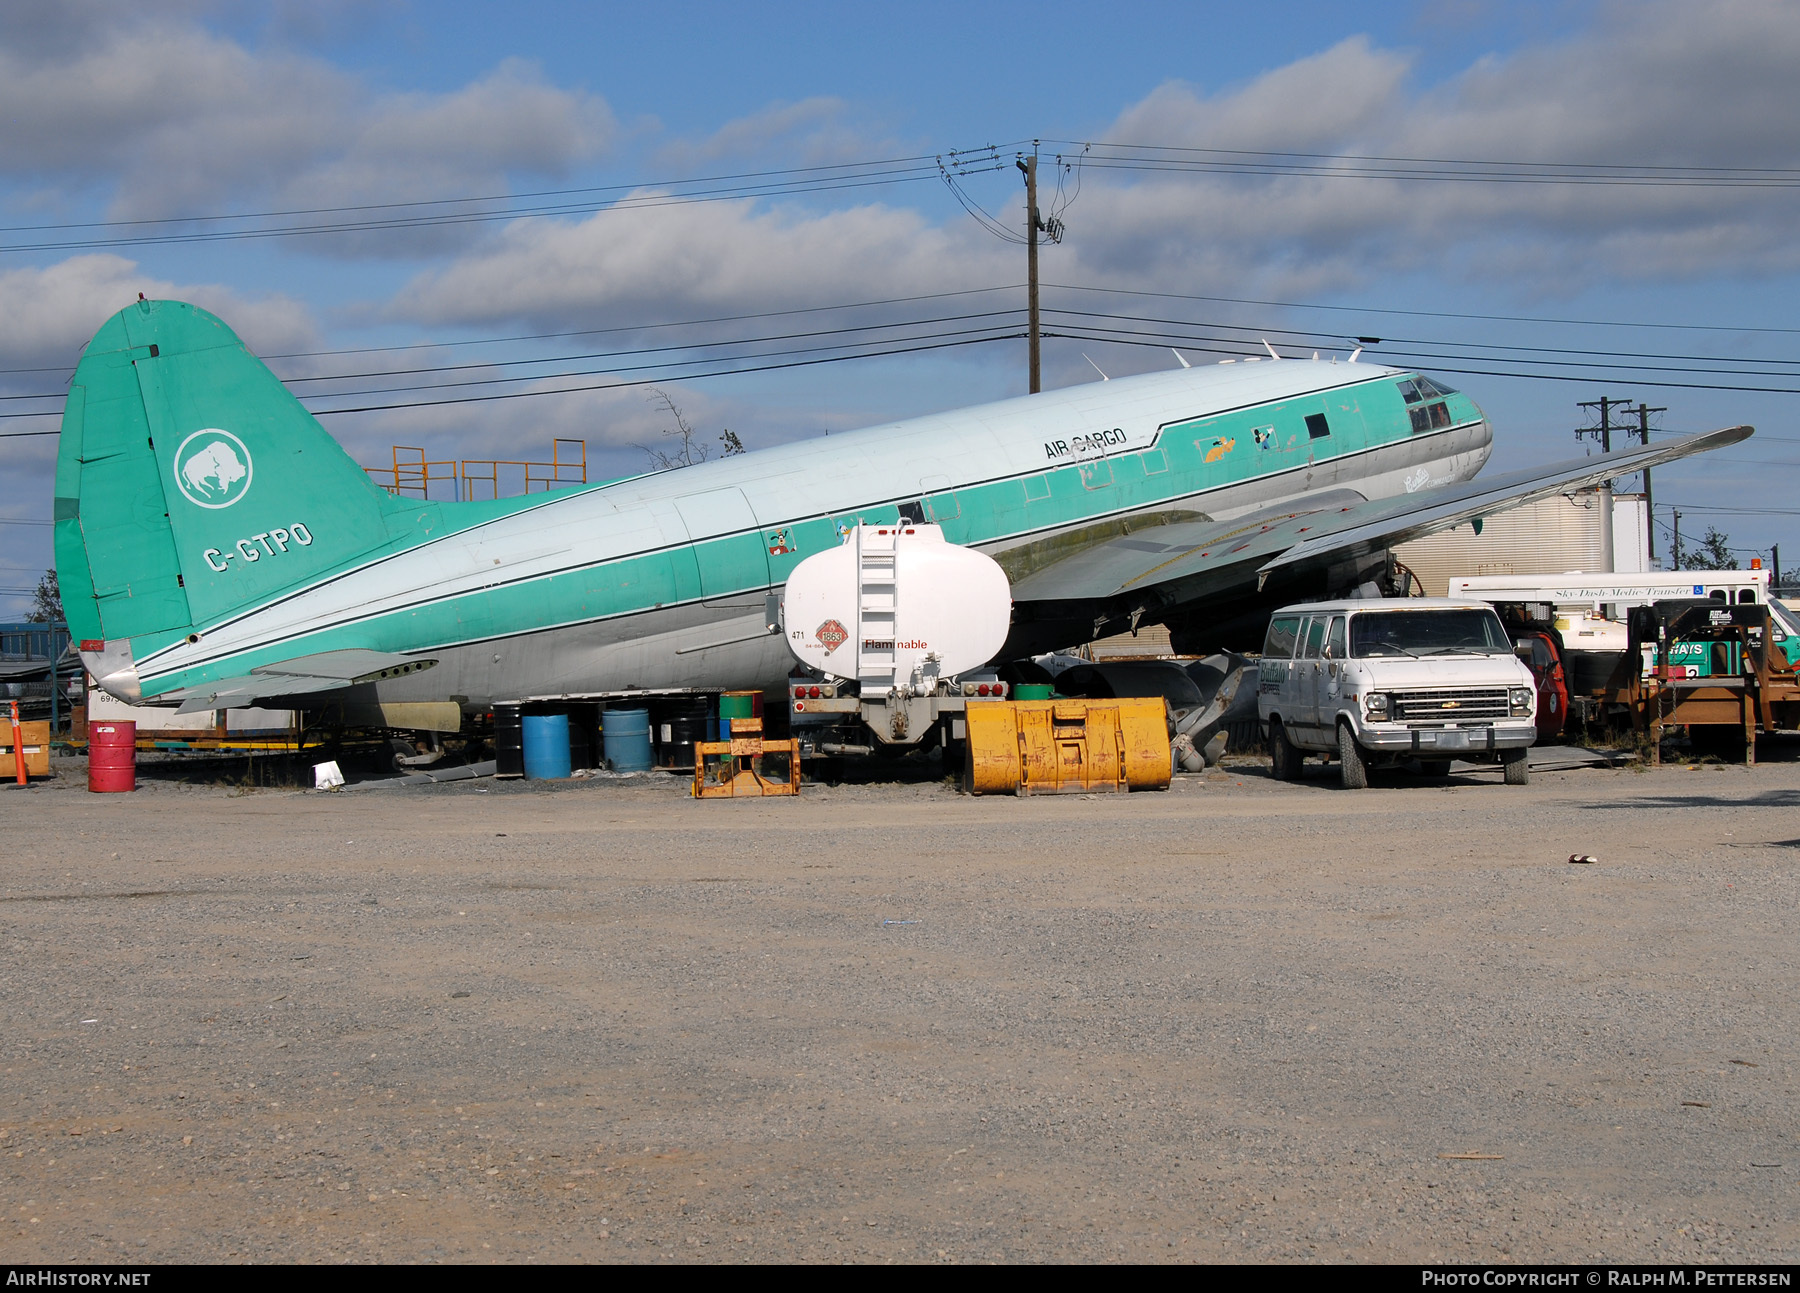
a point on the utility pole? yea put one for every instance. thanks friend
(1606, 405)
(1677, 557)
(1032, 225)
(1775, 575)
(1052, 229)
(1643, 416)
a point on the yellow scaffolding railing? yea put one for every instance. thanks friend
(412, 474)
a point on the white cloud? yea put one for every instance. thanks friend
(1706, 86)
(820, 131)
(47, 315)
(639, 265)
(180, 120)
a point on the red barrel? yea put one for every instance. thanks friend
(112, 757)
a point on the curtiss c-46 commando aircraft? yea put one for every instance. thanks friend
(217, 548)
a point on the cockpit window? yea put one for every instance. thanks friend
(1409, 391)
(1429, 389)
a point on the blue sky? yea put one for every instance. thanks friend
(191, 110)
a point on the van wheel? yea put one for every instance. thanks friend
(1515, 767)
(1284, 758)
(1353, 764)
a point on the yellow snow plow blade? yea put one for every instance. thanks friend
(1060, 747)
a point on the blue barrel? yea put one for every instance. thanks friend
(546, 741)
(625, 734)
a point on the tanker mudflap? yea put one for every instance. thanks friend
(1075, 746)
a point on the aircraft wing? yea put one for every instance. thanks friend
(327, 671)
(1176, 563)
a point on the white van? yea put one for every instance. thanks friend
(1386, 679)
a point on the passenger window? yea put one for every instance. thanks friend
(913, 511)
(1316, 426)
(1315, 638)
(1280, 643)
(1334, 645)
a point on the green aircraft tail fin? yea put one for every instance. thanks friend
(191, 485)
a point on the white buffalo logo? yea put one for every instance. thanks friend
(212, 468)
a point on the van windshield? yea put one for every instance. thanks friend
(1427, 632)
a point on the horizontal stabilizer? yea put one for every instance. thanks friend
(327, 671)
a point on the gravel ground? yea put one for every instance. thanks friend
(1242, 1020)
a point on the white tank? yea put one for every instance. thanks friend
(897, 606)
(1583, 632)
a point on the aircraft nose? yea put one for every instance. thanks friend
(1481, 442)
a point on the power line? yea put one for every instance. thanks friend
(1423, 314)
(684, 345)
(847, 176)
(821, 354)
(1325, 341)
(1138, 158)
(491, 197)
(1161, 157)
(648, 381)
(594, 332)
(1094, 325)
(669, 364)
(646, 327)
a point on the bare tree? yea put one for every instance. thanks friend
(692, 449)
